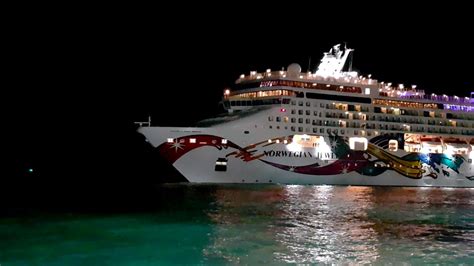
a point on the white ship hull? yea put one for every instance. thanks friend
(198, 165)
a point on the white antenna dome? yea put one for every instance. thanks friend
(294, 70)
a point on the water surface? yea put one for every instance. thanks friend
(229, 224)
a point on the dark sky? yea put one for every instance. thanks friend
(76, 91)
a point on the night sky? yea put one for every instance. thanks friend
(75, 92)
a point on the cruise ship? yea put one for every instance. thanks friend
(331, 126)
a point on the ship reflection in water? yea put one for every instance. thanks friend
(326, 224)
(250, 224)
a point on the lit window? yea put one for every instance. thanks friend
(170, 140)
(367, 91)
(393, 145)
(192, 140)
(224, 141)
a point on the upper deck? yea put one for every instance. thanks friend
(331, 75)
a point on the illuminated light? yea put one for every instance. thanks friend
(401, 86)
(284, 76)
(294, 147)
(413, 86)
(323, 147)
(227, 92)
(301, 76)
(315, 84)
(192, 140)
(224, 141)
(328, 85)
(269, 141)
(259, 77)
(277, 141)
(282, 72)
(242, 76)
(360, 113)
(285, 141)
(471, 153)
(370, 75)
(30, 170)
(341, 87)
(170, 140)
(389, 84)
(283, 110)
(269, 70)
(346, 113)
(367, 91)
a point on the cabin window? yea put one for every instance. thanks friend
(278, 119)
(192, 140)
(293, 120)
(221, 165)
(285, 119)
(358, 144)
(308, 112)
(270, 118)
(393, 145)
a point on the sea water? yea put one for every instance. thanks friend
(248, 224)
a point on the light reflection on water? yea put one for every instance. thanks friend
(229, 224)
(325, 224)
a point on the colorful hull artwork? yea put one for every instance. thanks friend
(374, 161)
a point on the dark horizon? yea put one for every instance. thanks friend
(74, 107)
